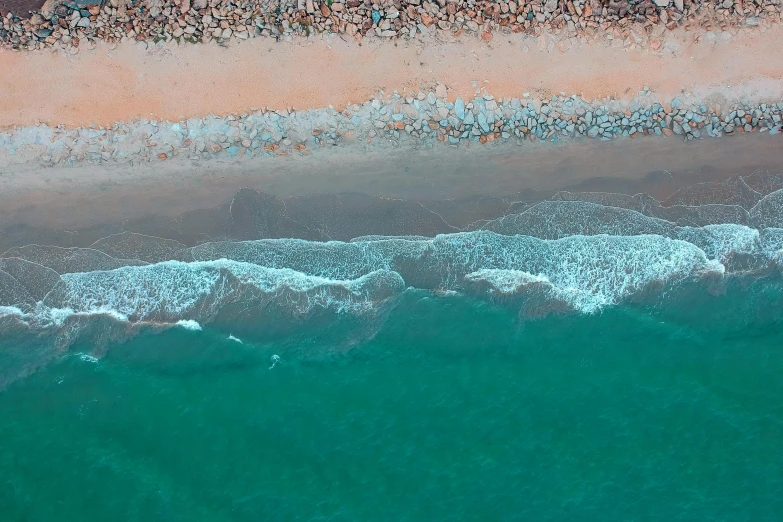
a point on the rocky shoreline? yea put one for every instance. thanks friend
(426, 120)
(623, 23)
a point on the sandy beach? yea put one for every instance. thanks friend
(174, 82)
(87, 148)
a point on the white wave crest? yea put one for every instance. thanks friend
(169, 291)
(189, 324)
(507, 281)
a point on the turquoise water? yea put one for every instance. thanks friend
(454, 411)
(603, 358)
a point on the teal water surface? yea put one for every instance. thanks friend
(457, 409)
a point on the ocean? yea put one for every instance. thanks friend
(569, 356)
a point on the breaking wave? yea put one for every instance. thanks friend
(574, 253)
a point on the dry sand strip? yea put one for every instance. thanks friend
(173, 82)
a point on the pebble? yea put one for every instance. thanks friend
(482, 120)
(242, 19)
(459, 109)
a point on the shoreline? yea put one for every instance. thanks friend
(101, 195)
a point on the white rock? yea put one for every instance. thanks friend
(662, 3)
(440, 91)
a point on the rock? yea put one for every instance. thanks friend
(325, 11)
(83, 22)
(459, 109)
(309, 7)
(36, 19)
(662, 3)
(678, 4)
(410, 111)
(440, 91)
(482, 121)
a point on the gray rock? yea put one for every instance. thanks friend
(459, 109)
(482, 121)
(410, 111)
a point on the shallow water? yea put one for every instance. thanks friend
(589, 357)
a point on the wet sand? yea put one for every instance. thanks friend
(89, 197)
